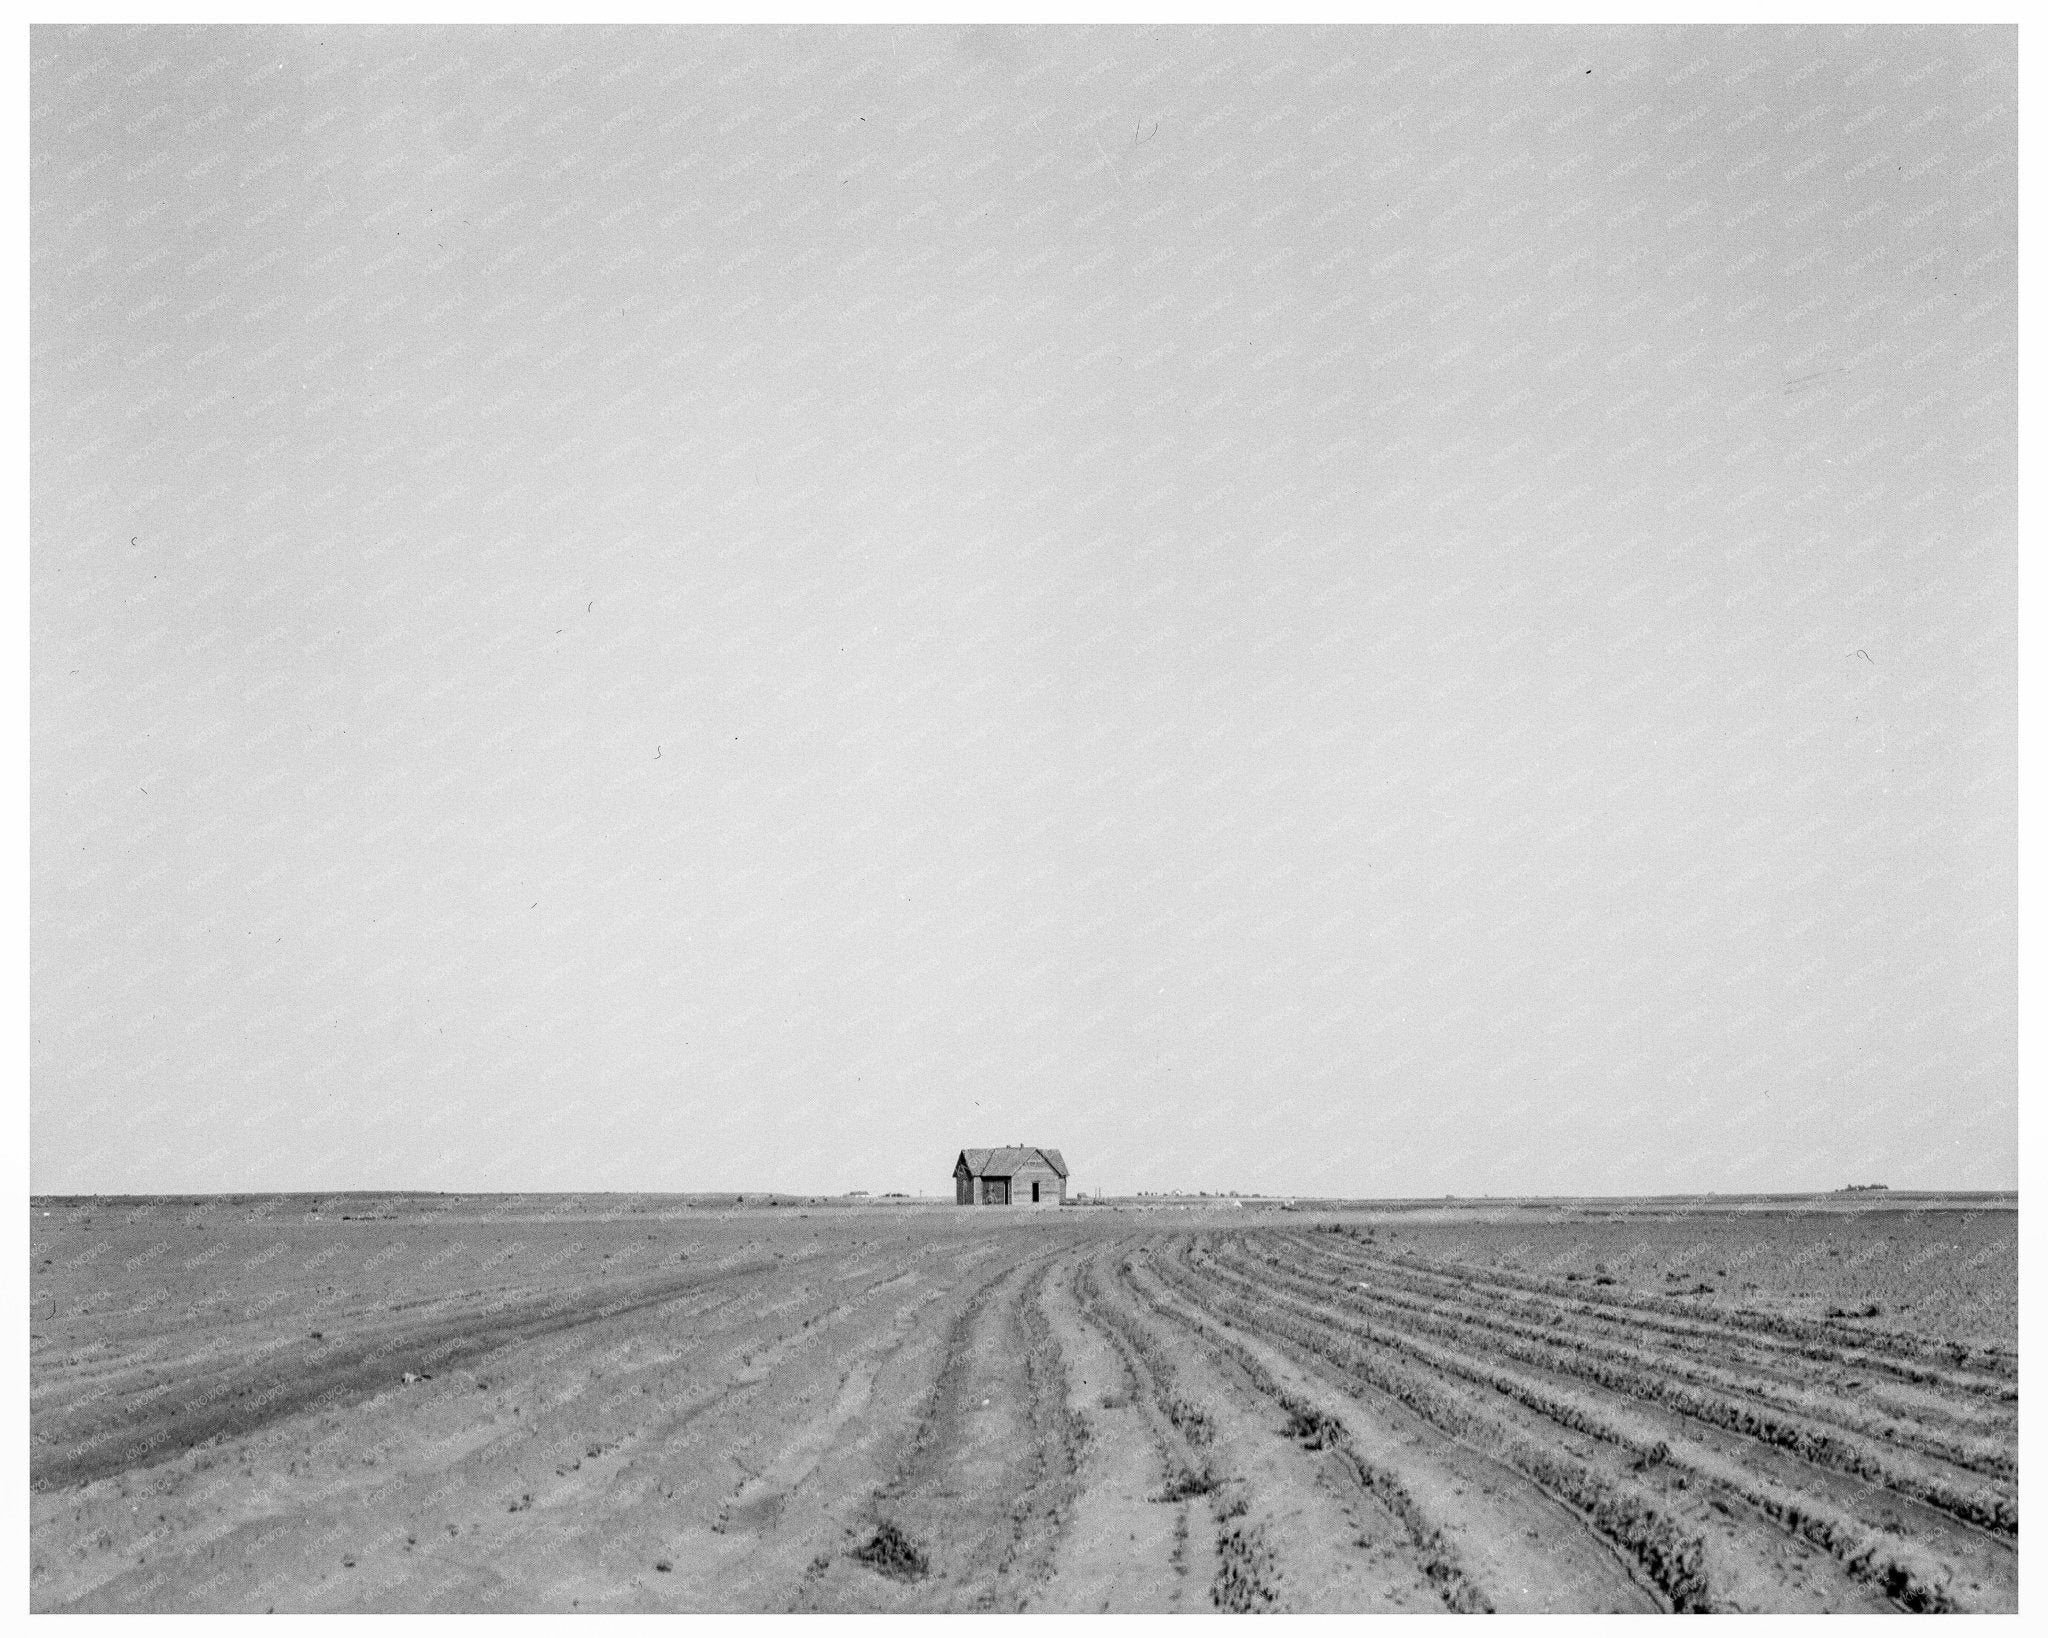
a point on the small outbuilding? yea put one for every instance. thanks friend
(1015, 1176)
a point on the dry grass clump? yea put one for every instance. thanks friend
(891, 1553)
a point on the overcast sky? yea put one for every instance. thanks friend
(1356, 611)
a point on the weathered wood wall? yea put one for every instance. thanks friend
(1052, 1188)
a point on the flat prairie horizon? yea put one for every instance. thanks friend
(1862, 1197)
(767, 1402)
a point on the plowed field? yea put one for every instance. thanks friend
(542, 1404)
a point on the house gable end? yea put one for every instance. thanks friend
(1014, 1174)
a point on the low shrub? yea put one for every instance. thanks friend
(891, 1553)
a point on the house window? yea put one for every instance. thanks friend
(1034, 1194)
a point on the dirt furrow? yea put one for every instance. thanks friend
(1347, 1534)
(1703, 1395)
(182, 1413)
(1119, 1554)
(1746, 1557)
(1295, 1531)
(1848, 1516)
(758, 1492)
(617, 1406)
(1972, 1435)
(970, 1518)
(1187, 1469)
(573, 1467)
(1527, 1546)
(1967, 1431)
(1567, 1449)
(1959, 1367)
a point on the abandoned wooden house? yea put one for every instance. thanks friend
(1009, 1177)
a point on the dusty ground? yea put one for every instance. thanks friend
(640, 1404)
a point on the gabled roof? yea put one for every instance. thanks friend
(1008, 1162)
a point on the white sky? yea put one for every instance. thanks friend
(1373, 612)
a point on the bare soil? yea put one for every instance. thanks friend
(656, 1403)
